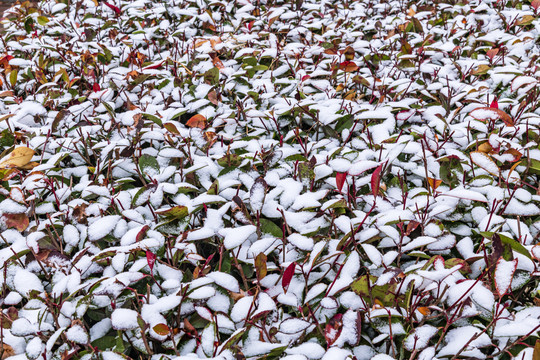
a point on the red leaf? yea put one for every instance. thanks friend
(141, 233)
(376, 180)
(113, 8)
(287, 276)
(340, 180)
(333, 329)
(494, 104)
(155, 66)
(305, 77)
(96, 87)
(151, 259)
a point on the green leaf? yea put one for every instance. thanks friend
(105, 343)
(147, 162)
(42, 20)
(162, 329)
(212, 76)
(176, 212)
(365, 287)
(13, 77)
(269, 227)
(295, 157)
(153, 118)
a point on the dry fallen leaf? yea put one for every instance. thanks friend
(17, 158)
(7, 351)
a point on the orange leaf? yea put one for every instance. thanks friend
(516, 154)
(348, 66)
(488, 113)
(485, 147)
(491, 53)
(198, 121)
(434, 183)
(535, 5)
(17, 221)
(424, 310)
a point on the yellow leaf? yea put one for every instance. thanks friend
(17, 158)
(526, 20)
(481, 70)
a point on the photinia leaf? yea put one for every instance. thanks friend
(96, 87)
(260, 265)
(485, 114)
(376, 180)
(434, 183)
(162, 329)
(198, 121)
(340, 180)
(494, 104)
(17, 158)
(504, 273)
(287, 276)
(17, 221)
(150, 259)
(113, 8)
(333, 329)
(348, 66)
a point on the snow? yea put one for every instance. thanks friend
(102, 227)
(25, 282)
(311, 350)
(77, 334)
(504, 272)
(458, 338)
(234, 237)
(419, 339)
(124, 319)
(224, 280)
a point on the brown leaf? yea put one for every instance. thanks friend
(162, 329)
(198, 121)
(491, 53)
(349, 53)
(7, 351)
(260, 265)
(171, 128)
(79, 213)
(348, 66)
(213, 97)
(536, 351)
(424, 310)
(17, 221)
(18, 157)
